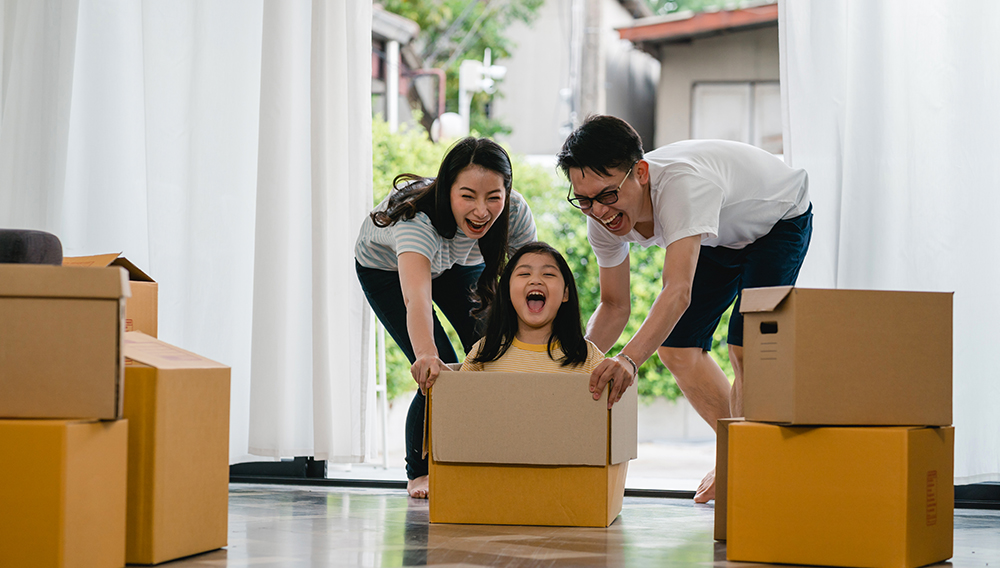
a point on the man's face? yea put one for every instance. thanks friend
(621, 214)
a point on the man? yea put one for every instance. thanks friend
(729, 216)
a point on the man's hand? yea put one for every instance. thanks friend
(615, 370)
(425, 371)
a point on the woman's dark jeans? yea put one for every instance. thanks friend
(452, 292)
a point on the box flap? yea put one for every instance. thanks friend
(93, 261)
(763, 299)
(155, 353)
(109, 259)
(134, 272)
(625, 427)
(45, 281)
(518, 418)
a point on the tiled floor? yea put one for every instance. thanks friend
(287, 526)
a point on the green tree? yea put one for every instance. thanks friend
(453, 30)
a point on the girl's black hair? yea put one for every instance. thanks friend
(432, 196)
(502, 322)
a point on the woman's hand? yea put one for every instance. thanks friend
(425, 371)
(617, 371)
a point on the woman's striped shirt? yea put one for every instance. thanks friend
(379, 247)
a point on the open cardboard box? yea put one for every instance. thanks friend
(177, 404)
(852, 357)
(527, 449)
(722, 474)
(61, 341)
(878, 496)
(141, 310)
(62, 493)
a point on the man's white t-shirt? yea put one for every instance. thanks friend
(730, 193)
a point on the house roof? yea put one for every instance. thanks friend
(686, 26)
(387, 26)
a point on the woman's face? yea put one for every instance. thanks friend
(537, 290)
(477, 199)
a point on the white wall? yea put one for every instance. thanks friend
(742, 56)
(538, 69)
(535, 91)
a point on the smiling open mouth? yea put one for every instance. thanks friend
(476, 227)
(536, 301)
(610, 223)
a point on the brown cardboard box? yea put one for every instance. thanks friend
(879, 497)
(565, 454)
(852, 357)
(141, 311)
(177, 404)
(62, 493)
(60, 341)
(722, 474)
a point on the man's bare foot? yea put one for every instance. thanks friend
(418, 488)
(706, 490)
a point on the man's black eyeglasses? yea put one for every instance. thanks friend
(606, 197)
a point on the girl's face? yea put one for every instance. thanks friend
(537, 290)
(477, 199)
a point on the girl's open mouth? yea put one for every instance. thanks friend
(536, 301)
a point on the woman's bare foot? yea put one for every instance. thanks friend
(706, 490)
(418, 488)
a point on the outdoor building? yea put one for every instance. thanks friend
(719, 74)
(559, 74)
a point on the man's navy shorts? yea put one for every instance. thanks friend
(723, 273)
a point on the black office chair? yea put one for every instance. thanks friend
(30, 247)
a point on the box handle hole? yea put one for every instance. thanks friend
(768, 327)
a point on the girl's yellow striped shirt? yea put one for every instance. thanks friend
(530, 358)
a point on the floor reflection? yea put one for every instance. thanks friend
(290, 526)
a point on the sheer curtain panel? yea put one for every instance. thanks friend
(223, 145)
(892, 109)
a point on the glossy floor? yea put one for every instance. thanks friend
(288, 526)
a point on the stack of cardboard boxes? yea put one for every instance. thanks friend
(527, 449)
(845, 456)
(115, 444)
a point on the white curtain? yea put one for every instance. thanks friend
(892, 107)
(224, 146)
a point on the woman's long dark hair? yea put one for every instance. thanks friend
(432, 196)
(502, 322)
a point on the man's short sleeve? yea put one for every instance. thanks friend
(609, 249)
(686, 204)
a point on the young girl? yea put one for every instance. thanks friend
(534, 322)
(439, 241)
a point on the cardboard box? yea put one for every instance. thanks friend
(60, 341)
(722, 474)
(527, 449)
(178, 468)
(142, 309)
(852, 357)
(879, 497)
(62, 493)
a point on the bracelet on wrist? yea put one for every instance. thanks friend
(635, 368)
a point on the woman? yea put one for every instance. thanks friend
(440, 241)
